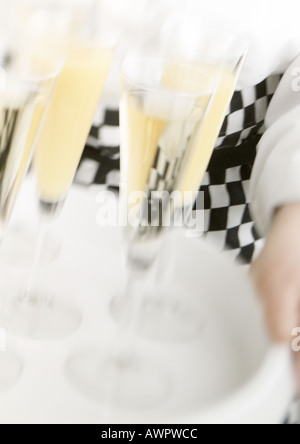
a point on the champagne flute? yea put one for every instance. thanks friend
(88, 54)
(159, 126)
(26, 85)
(170, 318)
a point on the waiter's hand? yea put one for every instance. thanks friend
(277, 276)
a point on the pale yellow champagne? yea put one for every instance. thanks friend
(166, 123)
(158, 134)
(210, 131)
(69, 119)
(182, 76)
(17, 108)
(38, 114)
(168, 138)
(143, 134)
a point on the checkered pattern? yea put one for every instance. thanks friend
(100, 163)
(228, 223)
(163, 172)
(247, 113)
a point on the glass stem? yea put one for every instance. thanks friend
(140, 259)
(123, 348)
(35, 289)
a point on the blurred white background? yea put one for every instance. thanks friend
(272, 27)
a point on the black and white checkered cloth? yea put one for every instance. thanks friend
(228, 222)
(100, 163)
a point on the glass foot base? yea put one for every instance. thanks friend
(37, 320)
(162, 319)
(10, 370)
(127, 384)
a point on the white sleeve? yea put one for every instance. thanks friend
(276, 175)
